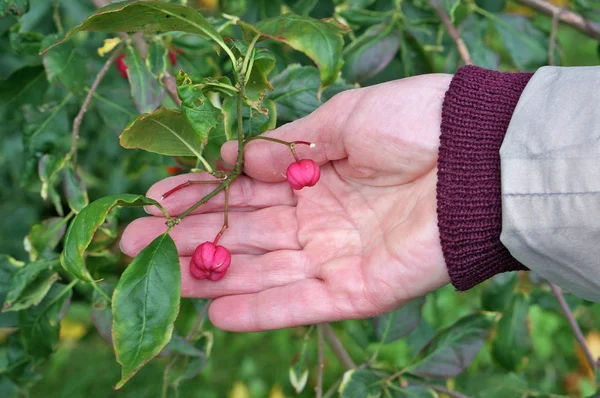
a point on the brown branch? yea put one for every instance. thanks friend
(142, 47)
(574, 325)
(577, 21)
(321, 362)
(79, 118)
(552, 39)
(451, 29)
(337, 347)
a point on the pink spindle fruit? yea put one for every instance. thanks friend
(304, 173)
(210, 262)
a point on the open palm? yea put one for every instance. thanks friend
(363, 241)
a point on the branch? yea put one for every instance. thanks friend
(337, 347)
(321, 366)
(460, 44)
(79, 118)
(577, 21)
(574, 326)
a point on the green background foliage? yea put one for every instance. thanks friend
(505, 338)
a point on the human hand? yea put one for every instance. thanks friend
(362, 242)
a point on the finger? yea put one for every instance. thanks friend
(249, 274)
(268, 161)
(255, 232)
(244, 194)
(300, 303)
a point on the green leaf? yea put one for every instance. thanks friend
(410, 392)
(397, 324)
(196, 108)
(101, 312)
(258, 83)
(498, 291)
(254, 123)
(66, 64)
(491, 5)
(234, 7)
(49, 167)
(526, 44)
(157, 58)
(179, 345)
(497, 386)
(360, 384)
(512, 342)
(25, 43)
(44, 237)
(302, 7)
(165, 132)
(75, 190)
(39, 325)
(82, 229)
(321, 40)
(146, 91)
(450, 6)
(473, 31)
(18, 7)
(148, 16)
(145, 305)
(8, 267)
(116, 107)
(30, 284)
(296, 91)
(298, 372)
(452, 349)
(371, 52)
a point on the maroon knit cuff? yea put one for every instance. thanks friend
(476, 112)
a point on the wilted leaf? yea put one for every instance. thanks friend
(196, 108)
(164, 131)
(145, 305)
(512, 342)
(397, 324)
(82, 229)
(452, 349)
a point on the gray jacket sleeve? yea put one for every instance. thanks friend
(550, 170)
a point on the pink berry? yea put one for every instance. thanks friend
(210, 262)
(304, 173)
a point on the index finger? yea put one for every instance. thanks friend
(268, 161)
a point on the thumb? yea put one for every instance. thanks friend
(268, 161)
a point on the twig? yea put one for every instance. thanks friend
(574, 325)
(460, 44)
(552, 40)
(577, 21)
(198, 321)
(321, 364)
(79, 118)
(56, 17)
(337, 347)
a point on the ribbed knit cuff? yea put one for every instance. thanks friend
(476, 112)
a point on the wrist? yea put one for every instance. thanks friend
(475, 115)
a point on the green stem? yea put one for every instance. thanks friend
(100, 291)
(56, 17)
(240, 130)
(208, 197)
(248, 56)
(384, 337)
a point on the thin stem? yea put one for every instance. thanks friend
(445, 390)
(460, 44)
(225, 217)
(321, 363)
(79, 118)
(552, 39)
(240, 129)
(187, 184)
(56, 17)
(388, 326)
(590, 28)
(207, 197)
(293, 149)
(574, 325)
(198, 322)
(248, 56)
(337, 347)
(333, 389)
(100, 291)
(286, 143)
